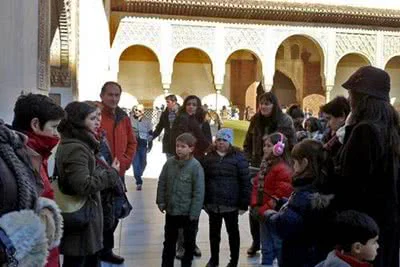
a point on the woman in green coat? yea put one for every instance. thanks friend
(78, 176)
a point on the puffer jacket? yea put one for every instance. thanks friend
(180, 188)
(227, 179)
(336, 259)
(277, 183)
(297, 224)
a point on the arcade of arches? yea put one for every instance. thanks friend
(205, 48)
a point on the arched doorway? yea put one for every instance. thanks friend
(300, 59)
(192, 74)
(346, 66)
(243, 69)
(393, 68)
(139, 74)
(284, 89)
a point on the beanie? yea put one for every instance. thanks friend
(225, 134)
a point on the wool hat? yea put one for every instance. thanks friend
(370, 81)
(225, 134)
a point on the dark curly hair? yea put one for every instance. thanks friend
(32, 106)
(200, 114)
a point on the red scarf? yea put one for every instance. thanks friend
(353, 262)
(42, 144)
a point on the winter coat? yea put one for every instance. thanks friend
(367, 183)
(79, 175)
(43, 147)
(253, 143)
(33, 224)
(167, 139)
(189, 124)
(333, 260)
(180, 188)
(297, 224)
(227, 179)
(277, 183)
(120, 136)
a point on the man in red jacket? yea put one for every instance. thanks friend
(122, 141)
(38, 117)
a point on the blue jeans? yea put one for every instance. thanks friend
(271, 245)
(139, 162)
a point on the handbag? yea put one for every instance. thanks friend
(77, 211)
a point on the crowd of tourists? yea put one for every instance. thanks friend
(320, 191)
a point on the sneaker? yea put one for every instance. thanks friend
(197, 252)
(139, 187)
(252, 250)
(179, 253)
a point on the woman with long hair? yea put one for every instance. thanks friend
(368, 162)
(81, 178)
(268, 119)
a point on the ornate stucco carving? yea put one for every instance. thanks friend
(186, 36)
(356, 43)
(43, 74)
(132, 32)
(61, 47)
(244, 38)
(391, 46)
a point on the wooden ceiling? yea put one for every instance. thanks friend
(263, 11)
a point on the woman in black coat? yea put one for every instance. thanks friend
(368, 161)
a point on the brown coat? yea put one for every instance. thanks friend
(78, 175)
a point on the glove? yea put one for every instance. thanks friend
(241, 212)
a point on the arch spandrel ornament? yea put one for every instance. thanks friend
(364, 44)
(193, 36)
(131, 32)
(244, 39)
(391, 47)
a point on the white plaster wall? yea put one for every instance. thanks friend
(141, 79)
(192, 79)
(18, 52)
(94, 49)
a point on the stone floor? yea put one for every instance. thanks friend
(139, 237)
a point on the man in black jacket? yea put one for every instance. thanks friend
(166, 121)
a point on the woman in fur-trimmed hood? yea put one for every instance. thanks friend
(32, 224)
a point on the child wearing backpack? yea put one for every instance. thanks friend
(272, 182)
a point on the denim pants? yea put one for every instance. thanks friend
(271, 245)
(172, 224)
(140, 161)
(232, 227)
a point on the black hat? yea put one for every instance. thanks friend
(370, 81)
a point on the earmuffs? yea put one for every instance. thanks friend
(279, 147)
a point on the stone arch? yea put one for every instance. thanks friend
(284, 88)
(243, 68)
(358, 53)
(346, 66)
(392, 67)
(139, 73)
(304, 64)
(192, 73)
(202, 49)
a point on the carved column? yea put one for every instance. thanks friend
(328, 92)
(43, 64)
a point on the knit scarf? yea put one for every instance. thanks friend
(11, 151)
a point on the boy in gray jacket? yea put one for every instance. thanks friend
(356, 237)
(180, 194)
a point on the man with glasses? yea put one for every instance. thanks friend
(166, 121)
(143, 129)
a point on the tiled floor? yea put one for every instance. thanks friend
(139, 237)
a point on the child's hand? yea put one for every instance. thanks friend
(161, 207)
(241, 212)
(269, 213)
